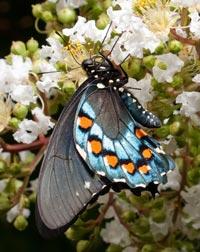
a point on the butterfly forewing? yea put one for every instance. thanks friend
(66, 185)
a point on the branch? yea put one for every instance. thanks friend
(183, 40)
(13, 148)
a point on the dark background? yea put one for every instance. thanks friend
(17, 23)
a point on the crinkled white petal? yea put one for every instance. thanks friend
(190, 105)
(50, 77)
(115, 233)
(185, 3)
(28, 132)
(15, 211)
(85, 29)
(43, 122)
(54, 51)
(173, 181)
(195, 24)
(144, 95)
(23, 94)
(196, 78)
(173, 63)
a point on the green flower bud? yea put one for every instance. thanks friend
(82, 246)
(163, 131)
(37, 10)
(4, 202)
(15, 168)
(132, 67)
(141, 225)
(193, 176)
(76, 233)
(32, 45)
(25, 202)
(175, 46)
(107, 4)
(20, 223)
(47, 16)
(20, 111)
(148, 248)
(18, 48)
(14, 122)
(161, 65)
(114, 248)
(177, 81)
(129, 216)
(158, 203)
(66, 15)
(158, 216)
(160, 49)
(3, 166)
(96, 10)
(29, 158)
(102, 21)
(149, 61)
(32, 197)
(60, 65)
(175, 128)
(69, 87)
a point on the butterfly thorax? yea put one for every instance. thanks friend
(102, 69)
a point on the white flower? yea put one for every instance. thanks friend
(43, 122)
(192, 206)
(173, 181)
(23, 94)
(190, 105)
(15, 211)
(28, 132)
(196, 78)
(160, 18)
(85, 29)
(146, 93)
(195, 24)
(135, 37)
(55, 51)
(173, 64)
(12, 75)
(48, 80)
(115, 233)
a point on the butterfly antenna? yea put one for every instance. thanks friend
(125, 59)
(114, 44)
(102, 42)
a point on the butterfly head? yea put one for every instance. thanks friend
(101, 68)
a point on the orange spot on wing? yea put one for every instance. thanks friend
(129, 167)
(111, 160)
(140, 133)
(96, 146)
(85, 122)
(144, 169)
(147, 153)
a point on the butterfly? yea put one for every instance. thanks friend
(98, 144)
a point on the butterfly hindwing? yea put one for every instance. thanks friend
(66, 185)
(112, 143)
(140, 115)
